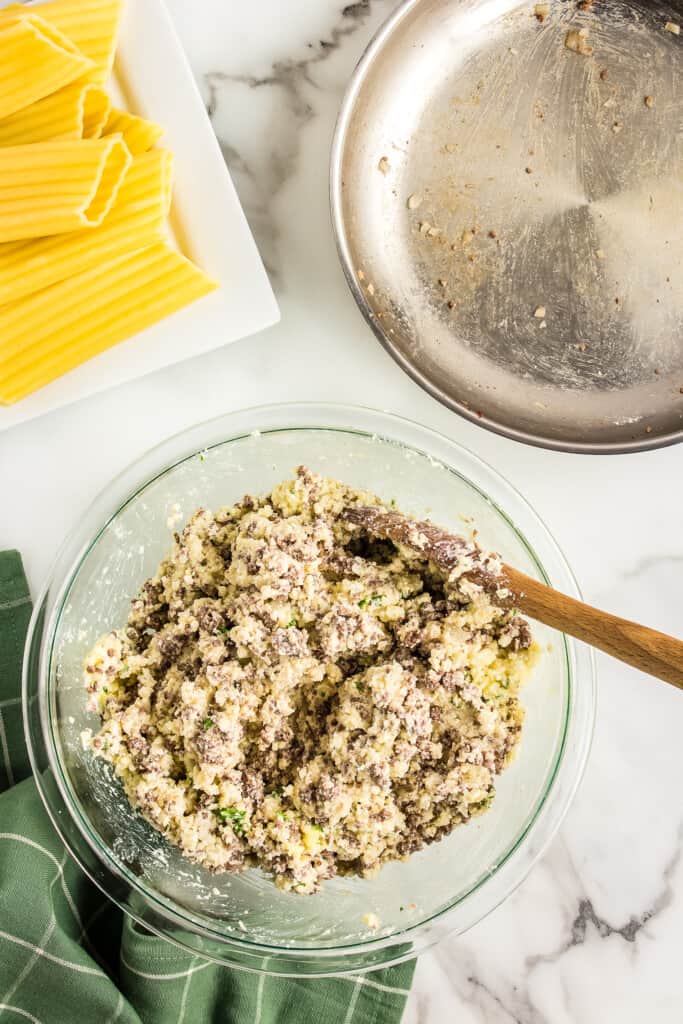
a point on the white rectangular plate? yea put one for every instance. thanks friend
(153, 78)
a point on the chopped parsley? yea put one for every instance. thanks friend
(234, 817)
(485, 803)
(208, 722)
(292, 622)
(361, 687)
(277, 791)
(317, 828)
(377, 598)
(223, 630)
(365, 601)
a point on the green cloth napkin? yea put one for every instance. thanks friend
(67, 954)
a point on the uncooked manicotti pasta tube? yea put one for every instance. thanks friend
(136, 220)
(138, 133)
(36, 61)
(92, 26)
(50, 187)
(47, 334)
(75, 112)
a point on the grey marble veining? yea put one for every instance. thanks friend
(294, 91)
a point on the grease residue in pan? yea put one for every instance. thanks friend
(510, 213)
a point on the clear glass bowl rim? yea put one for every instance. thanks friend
(364, 421)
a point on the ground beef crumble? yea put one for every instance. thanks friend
(291, 695)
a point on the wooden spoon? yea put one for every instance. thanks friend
(646, 649)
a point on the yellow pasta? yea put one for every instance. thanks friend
(75, 112)
(96, 107)
(92, 25)
(135, 221)
(139, 134)
(84, 197)
(48, 334)
(147, 183)
(35, 60)
(50, 187)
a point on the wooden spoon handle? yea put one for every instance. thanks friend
(647, 649)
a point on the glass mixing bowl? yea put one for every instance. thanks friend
(244, 920)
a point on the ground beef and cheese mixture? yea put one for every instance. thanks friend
(291, 694)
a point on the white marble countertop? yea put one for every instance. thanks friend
(594, 934)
